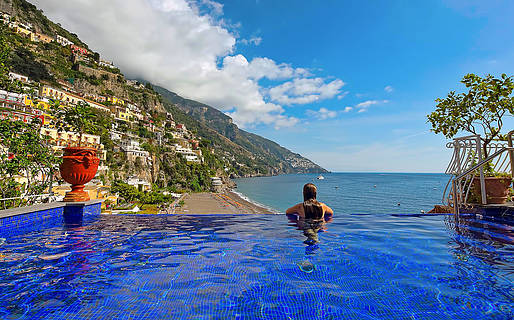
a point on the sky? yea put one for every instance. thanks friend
(348, 84)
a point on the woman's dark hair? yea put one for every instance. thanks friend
(311, 206)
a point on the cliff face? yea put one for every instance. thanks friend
(276, 159)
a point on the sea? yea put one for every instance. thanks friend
(350, 193)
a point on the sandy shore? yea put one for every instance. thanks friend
(218, 203)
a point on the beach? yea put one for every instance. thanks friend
(218, 203)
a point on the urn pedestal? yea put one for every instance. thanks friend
(78, 167)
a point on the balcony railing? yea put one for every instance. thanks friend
(468, 162)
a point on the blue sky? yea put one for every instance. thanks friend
(421, 49)
(346, 83)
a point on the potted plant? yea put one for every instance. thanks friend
(80, 163)
(479, 111)
(497, 185)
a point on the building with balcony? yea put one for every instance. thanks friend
(8, 99)
(61, 139)
(63, 41)
(106, 64)
(133, 150)
(25, 32)
(25, 116)
(79, 50)
(39, 37)
(15, 76)
(123, 114)
(187, 153)
(116, 101)
(61, 95)
(140, 184)
(69, 98)
(41, 104)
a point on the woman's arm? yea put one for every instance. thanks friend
(327, 209)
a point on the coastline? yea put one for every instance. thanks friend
(243, 197)
(228, 202)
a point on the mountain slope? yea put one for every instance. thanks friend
(278, 158)
(27, 12)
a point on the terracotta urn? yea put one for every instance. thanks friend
(78, 167)
(496, 189)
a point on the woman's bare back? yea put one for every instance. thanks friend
(299, 210)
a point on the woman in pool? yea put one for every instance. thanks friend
(310, 208)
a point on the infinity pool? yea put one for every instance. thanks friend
(258, 267)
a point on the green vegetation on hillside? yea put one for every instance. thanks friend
(253, 154)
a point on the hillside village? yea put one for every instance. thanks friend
(136, 131)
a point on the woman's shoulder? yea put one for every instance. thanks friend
(326, 208)
(297, 208)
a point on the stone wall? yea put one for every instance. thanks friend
(98, 72)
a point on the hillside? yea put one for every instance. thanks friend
(26, 11)
(278, 158)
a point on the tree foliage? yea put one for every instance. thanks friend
(24, 61)
(27, 163)
(79, 118)
(132, 194)
(5, 53)
(478, 111)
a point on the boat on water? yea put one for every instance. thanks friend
(320, 177)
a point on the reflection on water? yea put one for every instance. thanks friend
(310, 229)
(489, 239)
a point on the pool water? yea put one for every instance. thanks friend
(365, 265)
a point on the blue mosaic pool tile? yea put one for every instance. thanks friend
(41, 219)
(31, 221)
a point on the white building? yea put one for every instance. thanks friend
(63, 41)
(107, 64)
(216, 184)
(5, 17)
(15, 76)
(187, 153)
(140, 184)
(9, 98)
(27, 26)
(135, 84)
(115, 135)
(132, 149)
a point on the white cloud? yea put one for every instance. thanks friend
(347, 109)
(305, 90)
(322, 113)
(364, 106)
(388, 89)
(258, 68)
(253, 40)
(342, 95)
(178, 44)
